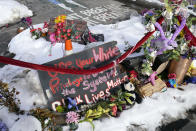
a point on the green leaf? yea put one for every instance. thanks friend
(113, 104)
(120, 108)
(128, 94)
(59, 109)
(122, 102)
(128, 100)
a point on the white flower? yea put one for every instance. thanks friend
(46, 121)
(150, 27)
(45, 30)
(34, 37)
(153, 54)
(21, 28)
(183, 48)
(167, 15)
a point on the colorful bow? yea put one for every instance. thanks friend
(172, 80)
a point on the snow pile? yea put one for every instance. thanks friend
(11, 11)
(160, 2)
(159, 109)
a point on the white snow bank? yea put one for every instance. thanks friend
(156, 1)
(11, 11)
(20, 122)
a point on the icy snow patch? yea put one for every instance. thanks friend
(11, 11)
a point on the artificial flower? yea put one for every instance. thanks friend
(114, 110)
(167, 15)
(150, 27)
(112, 99)
(172, 76)
(72, 117)
(133, 73)
(72, 103)
(60, 18)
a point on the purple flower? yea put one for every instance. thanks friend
(147, 12)
(72, 103)
(144, 11)
(29, 20)
(72, 117)
(1, 96)
(150, 13)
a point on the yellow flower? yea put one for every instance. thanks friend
(60, 18)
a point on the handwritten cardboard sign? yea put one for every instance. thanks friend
(85, 89)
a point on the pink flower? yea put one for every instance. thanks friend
(69, 30)
(58, 39)
(72, 117)
(68, 34)
(59, 24)
(52, 38)
(64, 30)
(65, 37)
(77, 37)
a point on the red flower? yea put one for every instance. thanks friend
(114, 110)
(133, 73)
(172, 76)
(68, 34)
(77, 37)
(33, 30)
(112, 99)
(45, 24)
(39, 29)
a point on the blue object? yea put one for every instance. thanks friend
(3, 126)
(54, 2)
(191, 80)
(173, 83)
(72, 103)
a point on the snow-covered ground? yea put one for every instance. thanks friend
(12, 11)
(154, 111)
